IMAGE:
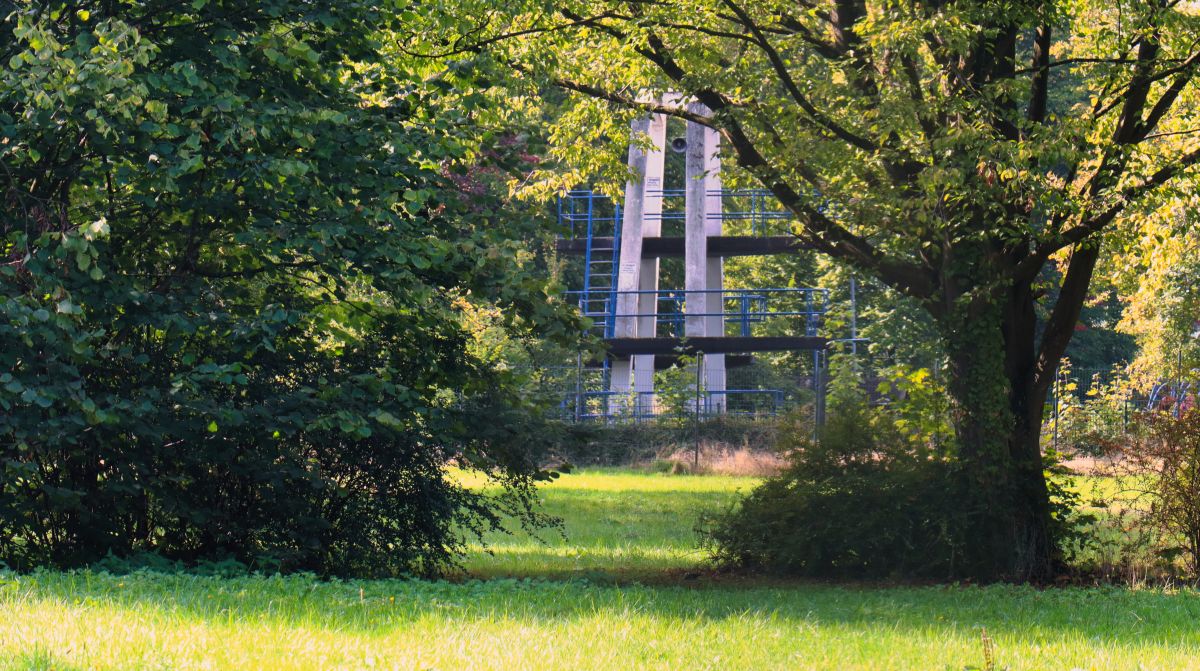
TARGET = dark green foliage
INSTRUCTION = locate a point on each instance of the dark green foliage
(231, 270)
(861, 502)
(867, 501)
(834, 515)
(1097, 346)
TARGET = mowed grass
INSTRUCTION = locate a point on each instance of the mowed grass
(618, 603)
(615, 525)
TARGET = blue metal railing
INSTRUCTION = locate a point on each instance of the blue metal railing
(597, 219)
(600, 215)
(582, 212)
(745, 402)
(757, 206)
(743, 309)
(596, 216)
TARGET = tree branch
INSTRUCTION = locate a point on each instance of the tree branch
(822, 232)
(1081, 232)
(792, 26)
(475, 47)
(628, 101)
(1167, 100)
(1039, 83)
(789, 83)
(1061, 325)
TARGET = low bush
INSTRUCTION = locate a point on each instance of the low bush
(858, 503)
(871, 499)
(862, 501)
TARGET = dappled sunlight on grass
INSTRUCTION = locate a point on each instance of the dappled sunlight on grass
(619, 529)
(614, 522)
(624, 480)
(616, 480)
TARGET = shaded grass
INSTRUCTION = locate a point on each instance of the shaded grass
(618, 524)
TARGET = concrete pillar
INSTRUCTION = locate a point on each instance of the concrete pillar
(629, 264)
(695, 231)
(652, 206)
(714, 364)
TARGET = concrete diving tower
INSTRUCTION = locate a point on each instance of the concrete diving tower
(622, 247)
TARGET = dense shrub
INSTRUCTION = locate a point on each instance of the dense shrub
(872, 498)
(233, 271)
(860, 502)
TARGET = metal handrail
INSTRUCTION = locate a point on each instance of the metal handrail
(759, 213)
(743, 307)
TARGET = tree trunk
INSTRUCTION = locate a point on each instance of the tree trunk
(992, 349)
(1036, 556)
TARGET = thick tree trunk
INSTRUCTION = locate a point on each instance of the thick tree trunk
(992, 351)
(1036, 553)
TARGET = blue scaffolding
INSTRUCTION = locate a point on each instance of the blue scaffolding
(595, 219)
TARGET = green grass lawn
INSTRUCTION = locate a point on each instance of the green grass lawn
(616, 524)
(620, 527)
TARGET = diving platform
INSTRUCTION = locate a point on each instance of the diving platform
(621, 244)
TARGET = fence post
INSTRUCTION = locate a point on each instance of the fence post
(696, 425)
(1057, 372)
(578, 386)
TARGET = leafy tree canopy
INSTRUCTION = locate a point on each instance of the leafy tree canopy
(239, 272)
